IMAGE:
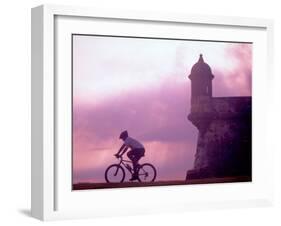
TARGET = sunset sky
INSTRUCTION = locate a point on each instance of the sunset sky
(142, 85)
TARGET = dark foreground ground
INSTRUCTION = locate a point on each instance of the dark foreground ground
(84, 186)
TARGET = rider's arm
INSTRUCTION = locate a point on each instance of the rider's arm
(124, 150)
(122, 147)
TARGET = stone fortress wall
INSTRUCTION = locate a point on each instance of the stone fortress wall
(224, 129)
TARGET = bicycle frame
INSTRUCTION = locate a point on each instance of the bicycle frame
(123, 161)
(143, 171)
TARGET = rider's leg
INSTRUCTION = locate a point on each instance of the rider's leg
(138, 154)
(135, 161)
(135, 155)
(130, 155)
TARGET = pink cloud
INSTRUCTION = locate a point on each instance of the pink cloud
(236, 81)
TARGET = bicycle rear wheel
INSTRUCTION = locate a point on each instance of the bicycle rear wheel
(114, 174)
(147, 173)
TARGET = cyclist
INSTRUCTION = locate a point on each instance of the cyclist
(135, 154)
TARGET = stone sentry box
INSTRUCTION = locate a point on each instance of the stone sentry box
(224, 124)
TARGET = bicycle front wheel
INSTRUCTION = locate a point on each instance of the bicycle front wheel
(114, 174)
(147, 173)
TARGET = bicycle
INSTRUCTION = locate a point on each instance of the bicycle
(115, 173)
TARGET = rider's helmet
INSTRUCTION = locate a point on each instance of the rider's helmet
(123, 135)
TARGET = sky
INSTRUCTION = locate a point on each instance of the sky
(142, 85)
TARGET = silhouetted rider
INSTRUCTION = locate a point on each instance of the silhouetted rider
(135, 154)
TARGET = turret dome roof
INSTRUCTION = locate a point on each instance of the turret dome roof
(201, 69)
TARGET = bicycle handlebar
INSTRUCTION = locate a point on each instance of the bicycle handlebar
(118, 156)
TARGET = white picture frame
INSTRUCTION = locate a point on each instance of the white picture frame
(52, 197)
